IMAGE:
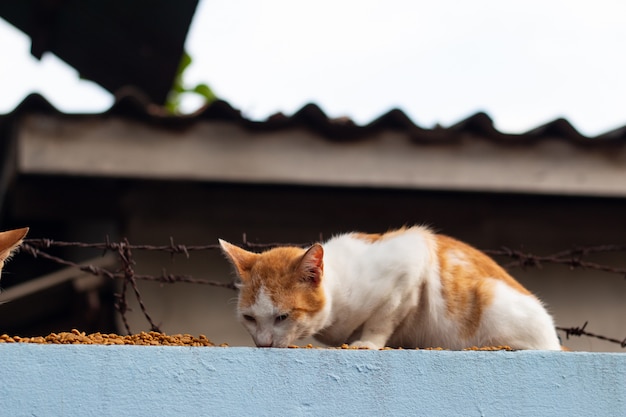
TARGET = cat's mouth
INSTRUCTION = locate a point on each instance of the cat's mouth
(272, 344)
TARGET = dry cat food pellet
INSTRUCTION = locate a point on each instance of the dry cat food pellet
(143, 338)
(509, 348)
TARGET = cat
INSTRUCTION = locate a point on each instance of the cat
(9, 241)
(408, 288)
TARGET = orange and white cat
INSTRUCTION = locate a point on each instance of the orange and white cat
(406, 288)
(9, 241)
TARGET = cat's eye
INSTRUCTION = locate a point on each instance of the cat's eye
(282, 317)
(249, 318)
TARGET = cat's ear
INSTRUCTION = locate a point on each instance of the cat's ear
(312, 265)
(242, 260)
(10, 240)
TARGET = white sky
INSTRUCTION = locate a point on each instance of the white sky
(523, 62)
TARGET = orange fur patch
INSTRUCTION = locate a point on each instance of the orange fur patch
(463, 271)
(368, 237)
(376, 237)
(9, 240)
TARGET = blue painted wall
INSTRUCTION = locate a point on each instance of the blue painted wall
(84, 380)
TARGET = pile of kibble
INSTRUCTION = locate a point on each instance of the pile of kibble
(76, 337)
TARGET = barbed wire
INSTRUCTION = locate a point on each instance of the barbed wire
(573, 258)
(580, 331)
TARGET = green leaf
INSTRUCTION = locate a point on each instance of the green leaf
(178, 88)
(205, 91)
(184, 63)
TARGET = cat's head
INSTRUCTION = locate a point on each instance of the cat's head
(281, 297)
(9, 241)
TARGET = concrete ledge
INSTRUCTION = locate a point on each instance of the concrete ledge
(64, 380)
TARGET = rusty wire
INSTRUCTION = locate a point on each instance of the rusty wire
(580, 331)
(572, 258)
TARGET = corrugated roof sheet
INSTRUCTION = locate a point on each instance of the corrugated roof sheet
(115, 43)
(131, 105)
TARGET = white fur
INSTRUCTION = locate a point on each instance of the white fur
(262, 329)
(388, 293)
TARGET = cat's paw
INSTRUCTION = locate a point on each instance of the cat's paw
(364, 344)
